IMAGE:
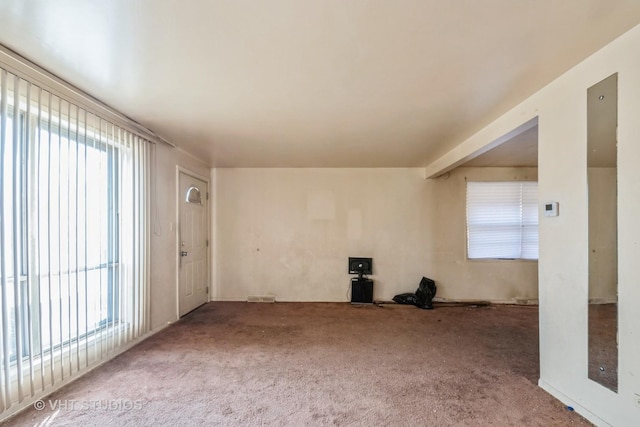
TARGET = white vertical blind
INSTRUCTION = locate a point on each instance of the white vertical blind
(73, 239)
(502, 220)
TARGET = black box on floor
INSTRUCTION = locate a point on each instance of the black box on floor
(361, 291)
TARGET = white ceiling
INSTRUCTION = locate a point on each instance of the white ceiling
(304, 83)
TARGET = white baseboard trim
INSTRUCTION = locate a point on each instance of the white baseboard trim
(570, 402)
(278, 299)
(513, 301)
(603, 300)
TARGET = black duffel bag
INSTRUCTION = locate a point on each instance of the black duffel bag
(423, 297)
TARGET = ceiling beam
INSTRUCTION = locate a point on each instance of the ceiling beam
(474, 147)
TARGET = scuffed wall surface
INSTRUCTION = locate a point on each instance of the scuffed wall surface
(289, 232)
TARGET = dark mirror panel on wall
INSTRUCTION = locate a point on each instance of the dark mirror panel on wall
(602, 172)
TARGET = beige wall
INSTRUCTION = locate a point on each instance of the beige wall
(289, 232)
(464, 279)
(603, 265)
(561, 109)
(163, 279)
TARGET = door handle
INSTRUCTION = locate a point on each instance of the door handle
(183, 253)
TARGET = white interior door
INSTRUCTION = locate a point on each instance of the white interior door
(193, 243)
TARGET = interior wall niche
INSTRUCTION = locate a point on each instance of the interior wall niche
(602, 121)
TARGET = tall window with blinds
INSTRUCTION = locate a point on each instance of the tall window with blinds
(502, 220)
(73, 233)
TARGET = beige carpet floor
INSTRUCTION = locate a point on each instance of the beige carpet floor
(317, 364)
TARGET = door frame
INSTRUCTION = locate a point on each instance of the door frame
(178, 198)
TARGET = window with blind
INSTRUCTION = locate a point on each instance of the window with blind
(73, 233)
(502, 220)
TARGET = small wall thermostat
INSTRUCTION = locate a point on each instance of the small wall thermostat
(551, 209)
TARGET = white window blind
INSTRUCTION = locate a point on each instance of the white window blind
(502, 220)
(73, 238)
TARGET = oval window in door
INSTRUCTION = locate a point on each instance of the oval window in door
(193, 195)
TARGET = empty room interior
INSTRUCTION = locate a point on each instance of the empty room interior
(320, 212)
